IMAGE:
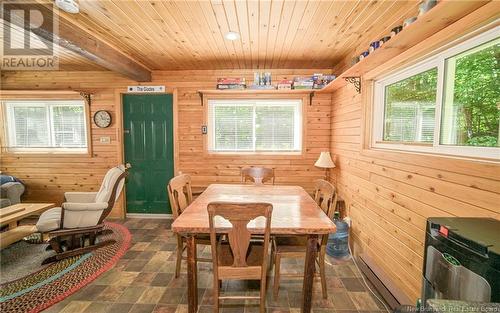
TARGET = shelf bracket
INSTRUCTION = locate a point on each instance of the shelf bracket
(356, 81)
(86, 96)
(201, 97)
(311, 95)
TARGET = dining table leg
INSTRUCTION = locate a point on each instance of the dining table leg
(192, 270)
(309, 269)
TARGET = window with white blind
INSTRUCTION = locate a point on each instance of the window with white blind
(46, 126)
(446, 104)
(255, 125)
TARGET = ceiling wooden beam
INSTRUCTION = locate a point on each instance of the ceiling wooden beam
(84, 43)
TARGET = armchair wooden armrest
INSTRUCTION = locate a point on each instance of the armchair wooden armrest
(74, 231)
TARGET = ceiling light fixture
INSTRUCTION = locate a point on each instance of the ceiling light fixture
(232, 36)
(70, 6)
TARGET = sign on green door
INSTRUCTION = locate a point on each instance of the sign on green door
(149, 148)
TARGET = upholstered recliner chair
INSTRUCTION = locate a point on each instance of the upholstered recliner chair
(11, 190)
(80, 218)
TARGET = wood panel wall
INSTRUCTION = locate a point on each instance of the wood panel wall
(48, 177)
(390, 195)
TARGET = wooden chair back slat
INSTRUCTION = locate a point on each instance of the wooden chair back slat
(180, 193)
(239, 240)
(239, 215)
(325, 196)
(257, 175)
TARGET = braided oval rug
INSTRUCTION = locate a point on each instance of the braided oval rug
(44, 286)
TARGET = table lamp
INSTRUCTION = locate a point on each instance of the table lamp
(325, 161)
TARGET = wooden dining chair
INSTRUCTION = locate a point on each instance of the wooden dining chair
(325, 196)
(238, 257)
(257, 175)
(180, 196)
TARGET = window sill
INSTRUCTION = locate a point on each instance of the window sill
(485, 154)
(402, 144)
(254, 154)
(35, 152)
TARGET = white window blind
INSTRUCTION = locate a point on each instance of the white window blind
(46, 125)
(255, 125)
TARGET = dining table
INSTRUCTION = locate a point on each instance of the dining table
(294, 213)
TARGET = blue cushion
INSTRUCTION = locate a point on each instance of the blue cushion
(9, 179)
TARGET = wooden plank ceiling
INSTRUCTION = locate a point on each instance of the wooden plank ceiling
(186, 34)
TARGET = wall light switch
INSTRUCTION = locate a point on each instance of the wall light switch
(204, 129)
(105, 140)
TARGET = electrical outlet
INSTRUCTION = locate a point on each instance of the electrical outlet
(204, 129)
(105, 140)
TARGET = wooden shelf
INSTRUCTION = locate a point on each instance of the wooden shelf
(254, 92)
(442, 15)
(257, 91)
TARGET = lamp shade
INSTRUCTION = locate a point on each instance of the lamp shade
(325, 160)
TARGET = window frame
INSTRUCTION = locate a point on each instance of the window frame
(49, 104)
(435, 61)
(208, 137)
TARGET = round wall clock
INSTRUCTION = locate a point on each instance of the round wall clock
(102, 118)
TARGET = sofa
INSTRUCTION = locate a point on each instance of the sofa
(11, 190)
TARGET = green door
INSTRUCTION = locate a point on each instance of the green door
(149, 148)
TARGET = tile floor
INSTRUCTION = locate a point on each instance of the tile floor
(143, 281)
